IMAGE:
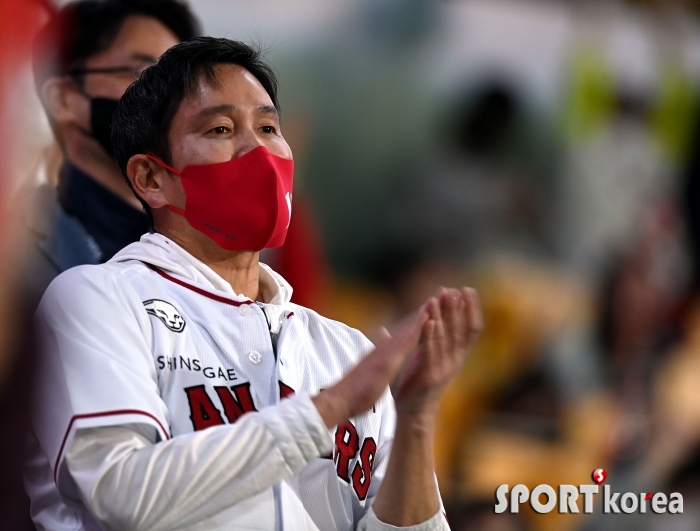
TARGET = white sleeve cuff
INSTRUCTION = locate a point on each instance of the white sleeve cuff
(299, 430)
(370, 522)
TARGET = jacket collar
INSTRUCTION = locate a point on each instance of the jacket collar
(160, 251)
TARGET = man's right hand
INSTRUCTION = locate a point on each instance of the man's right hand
(363, 386)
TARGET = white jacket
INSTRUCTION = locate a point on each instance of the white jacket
(160, 402)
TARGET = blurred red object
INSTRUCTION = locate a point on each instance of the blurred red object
(19, 21)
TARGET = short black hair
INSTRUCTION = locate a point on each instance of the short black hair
(85, 28)
(142, 120)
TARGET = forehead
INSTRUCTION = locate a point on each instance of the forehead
(234, 85)
(139, 38)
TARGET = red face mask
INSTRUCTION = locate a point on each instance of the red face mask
(243, 204)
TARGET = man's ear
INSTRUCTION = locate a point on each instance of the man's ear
(150, 181)
(61, 101)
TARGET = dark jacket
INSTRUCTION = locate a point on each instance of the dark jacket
(79, 222)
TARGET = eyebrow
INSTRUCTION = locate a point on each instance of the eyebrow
(216, 109)
(228, 108)
(268, 109)
(143, 57)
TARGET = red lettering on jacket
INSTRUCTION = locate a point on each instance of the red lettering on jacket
(238, 403)
(346, 447)
(285, 390)
(203, 412)
(362, 473)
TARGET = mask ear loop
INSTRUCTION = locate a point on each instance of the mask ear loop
(171, 170)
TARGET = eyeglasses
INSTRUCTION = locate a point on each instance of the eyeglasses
(118, 70)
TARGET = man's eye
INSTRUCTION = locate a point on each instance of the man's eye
(220, 130)
(268, 129)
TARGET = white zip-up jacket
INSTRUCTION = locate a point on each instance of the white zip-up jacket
(166, 401)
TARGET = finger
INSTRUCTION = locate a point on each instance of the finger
(461, 333)
(435, 312)
(432, 311)
(433, 305)
(428, 336)
(439, 339)
(453, 320)
(475, 318)
(427, 346)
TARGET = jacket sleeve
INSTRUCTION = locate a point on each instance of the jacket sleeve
(128, 482)
(370, 522)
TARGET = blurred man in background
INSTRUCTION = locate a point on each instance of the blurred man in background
(84, 59)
